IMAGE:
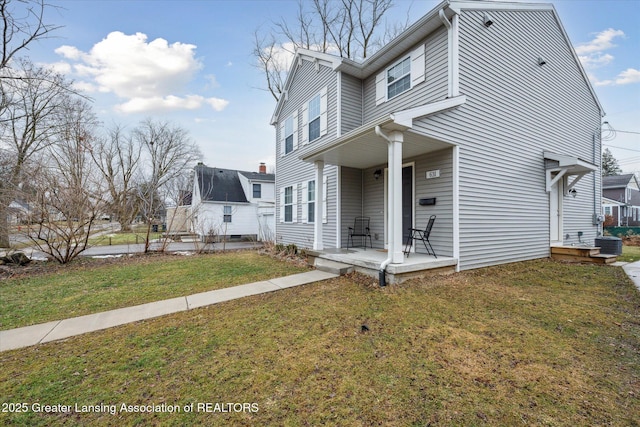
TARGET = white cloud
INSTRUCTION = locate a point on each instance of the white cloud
(169, 103)
(630, 75)
(149, 75)
(592, 55)
(603, 41)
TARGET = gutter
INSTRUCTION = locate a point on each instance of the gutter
(390, 200)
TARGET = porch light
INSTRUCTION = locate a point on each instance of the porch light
(377, 174)
(541, 61)
(573, 192)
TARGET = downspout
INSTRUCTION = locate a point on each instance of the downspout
(447, 24)
(390, 202)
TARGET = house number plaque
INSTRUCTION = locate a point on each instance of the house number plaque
(433, 174)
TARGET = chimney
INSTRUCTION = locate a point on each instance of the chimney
(262, 168)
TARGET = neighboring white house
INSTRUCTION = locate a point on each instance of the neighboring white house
(480, 113)
(233, 204)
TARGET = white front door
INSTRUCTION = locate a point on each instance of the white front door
(555, 212)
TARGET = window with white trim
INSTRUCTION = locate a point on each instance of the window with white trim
(227, 212)
(288, 135)
(314, 118)
(399, 78)
(288, 204)
(607, 210)
(257, 191)
(311, 201)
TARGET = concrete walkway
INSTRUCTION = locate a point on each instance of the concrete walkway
(60, 329)
(633, 271)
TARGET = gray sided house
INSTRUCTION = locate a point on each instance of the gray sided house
(479, 113)
(233, 204)
(621, 199)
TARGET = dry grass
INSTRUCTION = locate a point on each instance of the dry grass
(535, 343)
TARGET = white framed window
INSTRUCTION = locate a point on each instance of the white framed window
(401, 76)
(257, 191)
(288, 204)
(314, 117)
(227, 214)
(607, 210)
(289, 134)
(309, 201)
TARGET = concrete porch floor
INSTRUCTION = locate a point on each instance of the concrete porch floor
(368, 262)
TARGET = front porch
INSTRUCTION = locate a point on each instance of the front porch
(368, 262)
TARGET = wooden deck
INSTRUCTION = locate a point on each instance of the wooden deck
(581, 254)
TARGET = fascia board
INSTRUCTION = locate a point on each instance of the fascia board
(406, 117)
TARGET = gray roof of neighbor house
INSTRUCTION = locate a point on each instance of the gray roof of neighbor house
(616, 181)
(257, 176)
(223, 185)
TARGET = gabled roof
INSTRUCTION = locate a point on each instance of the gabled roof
(412, 35)
(617, 181)
(219, 185)
(223, 185)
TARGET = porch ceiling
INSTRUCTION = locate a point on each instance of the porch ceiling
(368, 150)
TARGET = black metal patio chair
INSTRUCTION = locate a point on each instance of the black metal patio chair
(360, 229)
(423, 235)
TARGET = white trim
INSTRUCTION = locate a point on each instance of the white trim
(339, 105)
(413, 202)
(456, 205)
(338, 207)
(325, 191)
(305, 202)
(455, 60)
(406, 117)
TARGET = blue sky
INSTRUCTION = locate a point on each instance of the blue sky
(190, 62)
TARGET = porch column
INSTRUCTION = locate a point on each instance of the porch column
(317, 224)
(395, 219)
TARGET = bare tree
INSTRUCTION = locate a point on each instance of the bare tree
(349, 28)
(64, 191)
(117, 157)
(29, 125)
(167, 152)
(22, 23)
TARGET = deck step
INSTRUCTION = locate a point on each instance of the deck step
(581, 254)
(332, 266)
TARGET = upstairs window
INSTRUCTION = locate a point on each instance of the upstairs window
(314, 118)
(257, 191)
(288, 135)
(399, 78)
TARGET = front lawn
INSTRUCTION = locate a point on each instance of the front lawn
(534, 343)
(630, 253)
(83, 288)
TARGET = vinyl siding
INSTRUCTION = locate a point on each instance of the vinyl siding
(434, 88)
(351, 199)
(515, 110)
(351, 108)
(442, 189)
(291, 171)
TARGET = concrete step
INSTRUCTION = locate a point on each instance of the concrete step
(332, 266)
